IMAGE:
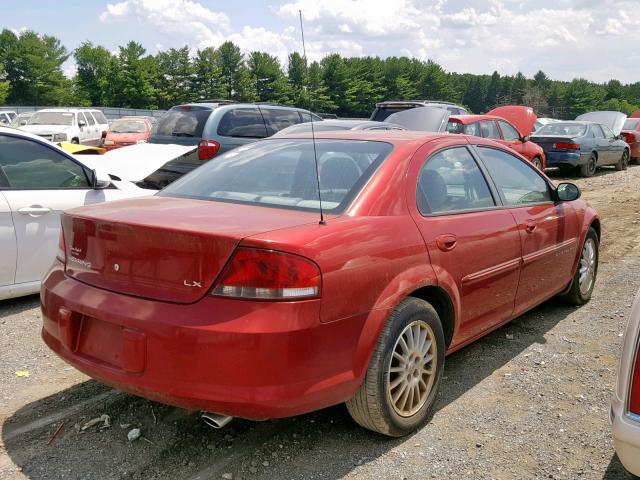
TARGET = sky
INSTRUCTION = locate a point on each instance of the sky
(593, 39)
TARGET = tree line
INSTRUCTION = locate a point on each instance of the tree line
(31, 74)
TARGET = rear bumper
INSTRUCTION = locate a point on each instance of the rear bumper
(574, 159)
(252, 360)
(626, 436)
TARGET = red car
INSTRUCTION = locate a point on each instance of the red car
(227, 293)
(510, 126)
(631, 134)
(127, 131)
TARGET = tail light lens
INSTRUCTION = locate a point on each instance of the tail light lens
(629, 137)
(104, 134)
(566, 146)
(634, 399)
(62, 253)
(207, 149)
(268, 275)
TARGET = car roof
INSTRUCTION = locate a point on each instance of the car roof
(237, 105)
(68, 110)
(465, 119)
(390, 136)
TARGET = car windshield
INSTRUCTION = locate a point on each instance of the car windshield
(631, 124)
(560, 128)
(128, 126)
(51, 118)
(282, 173)
(183, 121)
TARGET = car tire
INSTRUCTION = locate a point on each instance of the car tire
(589, 168)
(537, 162)
(623, 163)
(580, 292)
(413, 366)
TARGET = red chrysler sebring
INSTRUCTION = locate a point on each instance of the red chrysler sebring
(225, 293)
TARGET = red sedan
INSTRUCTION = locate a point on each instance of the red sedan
(226, 293)
(127, 131)
(496, 125)
(631, 134)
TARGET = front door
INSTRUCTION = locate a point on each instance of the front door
(7, 241)
(549, 232)
(473, 244)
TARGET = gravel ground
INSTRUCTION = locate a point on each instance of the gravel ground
(530, 400)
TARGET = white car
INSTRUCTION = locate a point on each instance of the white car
(625, 406)
(37, 181)
(7, 116)
(85, 126)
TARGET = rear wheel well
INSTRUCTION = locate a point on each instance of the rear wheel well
(595, 154)
(440, 301)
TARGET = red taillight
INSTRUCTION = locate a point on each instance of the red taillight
(104, 134)
(629, 137)
(62, 253)
(207, 149)
(566, 146)
(634, 398)
(268, 275)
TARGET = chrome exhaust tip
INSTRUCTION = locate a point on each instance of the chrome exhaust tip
(215, 420)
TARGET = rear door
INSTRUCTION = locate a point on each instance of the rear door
(277, 119)
(616, 147)
(473, 243)
(239, 126)
(548, 232)
(511, 137)
(92, 129)
(84, 133)
(601, 145)
(41, 182)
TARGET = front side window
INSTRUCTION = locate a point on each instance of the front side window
(597, 131)
(282, 173)
(90, 119)
(608, 134)
(508, 132)
(81, 118)
(451, 181)
(278, 119)
(100, 118)
(518, 183)
(242, 122)
(29, 165)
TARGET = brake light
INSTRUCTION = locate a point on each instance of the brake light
(629, 137)
(634, 398)
(104, 134)
(61, 255)
(207, 149)
(268, 275)
(566, 146)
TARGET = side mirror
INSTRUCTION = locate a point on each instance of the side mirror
(100, 180)
(23, 123)
(82, 123)
(526, 138)
(567, 192)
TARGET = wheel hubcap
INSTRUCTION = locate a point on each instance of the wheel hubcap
(587, 266)
(411, 372)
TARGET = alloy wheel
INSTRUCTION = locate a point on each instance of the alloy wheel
(412, 369)
(587, 266)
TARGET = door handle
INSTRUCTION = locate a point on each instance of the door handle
(34, 210)
(446, 242)
(530, 227)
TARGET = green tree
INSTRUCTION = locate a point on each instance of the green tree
(434, 83)
(476, 94)
(270, 84)
(4, 86)
(493, 90)
(206, 75)
(334, 78)
(234, 75)
(319, 100)
(175, 76)
(92, 76)
(582, 96)
(134, 76)
(541, 81)
(298, 79)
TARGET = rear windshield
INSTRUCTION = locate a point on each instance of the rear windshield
(631, 124)
(282, 173)
(381, 113)
(560, 128)
(455, 126)
(183, 121)
(51, 118)
(128, 126)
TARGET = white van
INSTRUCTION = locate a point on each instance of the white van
(85, 126)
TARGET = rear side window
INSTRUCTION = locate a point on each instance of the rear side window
(81, 118)
(451, 181)
(100, 118)
(90, 119)
(183, 121)
(282, 173)
(508, 132)
(242, 122)
(277, 119)
(488, 129)
(518, 183)
(597, 131)
(455, 126)
(28, 165)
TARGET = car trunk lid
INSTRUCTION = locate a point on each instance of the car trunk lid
(613, 120)
(549, 142)
(162, 248)
(522, 117)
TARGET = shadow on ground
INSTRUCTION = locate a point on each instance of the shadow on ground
(615, 471)
(175, 443)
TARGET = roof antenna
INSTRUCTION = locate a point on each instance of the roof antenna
(313, 133)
